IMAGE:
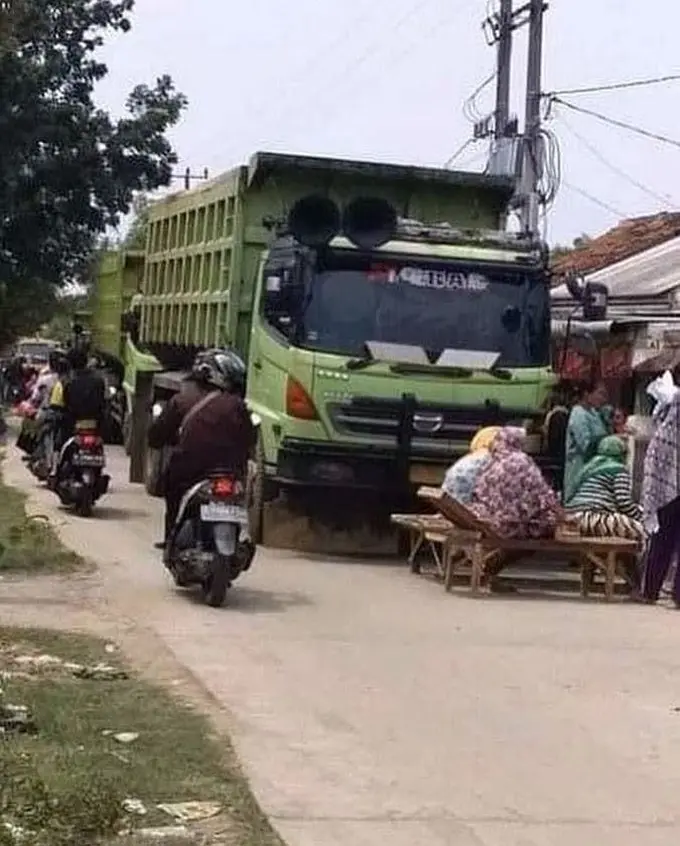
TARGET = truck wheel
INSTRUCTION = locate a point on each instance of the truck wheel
(153, 471)
(256, 517)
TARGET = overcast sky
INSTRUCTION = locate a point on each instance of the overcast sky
(387, 79)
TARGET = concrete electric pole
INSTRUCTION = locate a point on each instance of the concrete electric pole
(505, 25)
(533, 153)
(522, 156)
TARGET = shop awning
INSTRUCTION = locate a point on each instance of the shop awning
(667, 359)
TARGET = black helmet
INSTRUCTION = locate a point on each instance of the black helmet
(222, 369)
(56, 357)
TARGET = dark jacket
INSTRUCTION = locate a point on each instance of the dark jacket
(85, 397)
(219, 437)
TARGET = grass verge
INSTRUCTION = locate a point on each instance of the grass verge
(68, 782)
(29, 544)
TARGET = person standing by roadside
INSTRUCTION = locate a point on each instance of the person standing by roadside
(585, 430)
(661, 502)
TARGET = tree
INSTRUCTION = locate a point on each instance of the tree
(68, 170)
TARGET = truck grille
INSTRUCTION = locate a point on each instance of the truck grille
(437, 429)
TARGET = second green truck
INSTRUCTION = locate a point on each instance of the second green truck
(383, 314)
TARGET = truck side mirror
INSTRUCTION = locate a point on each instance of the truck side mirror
(282, 298)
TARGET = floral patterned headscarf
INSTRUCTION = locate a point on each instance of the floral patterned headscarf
(511, 493)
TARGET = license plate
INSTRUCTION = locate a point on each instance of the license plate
(426, 474)
(220, 512)
(89, 461)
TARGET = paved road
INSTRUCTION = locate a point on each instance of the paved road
(369, 707)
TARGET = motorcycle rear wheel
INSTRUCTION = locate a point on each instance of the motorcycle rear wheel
(216, 586)
(85, 504)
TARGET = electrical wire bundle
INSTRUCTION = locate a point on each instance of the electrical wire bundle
(550, 168)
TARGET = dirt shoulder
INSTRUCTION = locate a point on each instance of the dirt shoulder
(64, 776)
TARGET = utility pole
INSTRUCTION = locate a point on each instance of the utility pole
(505, 25)
(532, 158)
(188, 177)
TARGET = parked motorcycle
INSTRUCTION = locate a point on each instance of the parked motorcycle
(80, 480)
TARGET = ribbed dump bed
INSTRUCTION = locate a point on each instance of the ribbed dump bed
(204, 246)
(120, 276)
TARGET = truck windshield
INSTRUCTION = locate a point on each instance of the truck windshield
(436, 305)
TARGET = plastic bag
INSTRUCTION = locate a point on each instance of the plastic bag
(663, 389)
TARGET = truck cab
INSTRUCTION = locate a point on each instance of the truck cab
(372, 365)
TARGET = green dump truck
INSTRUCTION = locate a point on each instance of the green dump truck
(383, 315)
(120, 276)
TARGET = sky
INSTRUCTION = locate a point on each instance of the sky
(387, 80)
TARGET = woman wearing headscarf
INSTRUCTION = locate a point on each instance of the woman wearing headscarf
(602, 501)
(661, 501)
(585, 430)
(461, 478)
(511, 494)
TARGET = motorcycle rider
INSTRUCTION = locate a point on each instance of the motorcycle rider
(82, 396)
(209, 426)
(47, 379)
(51, 409)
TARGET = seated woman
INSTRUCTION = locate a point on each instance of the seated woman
(511, 494)
(461, 477)
(602, 501)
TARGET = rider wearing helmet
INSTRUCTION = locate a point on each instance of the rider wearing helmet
(208, 424)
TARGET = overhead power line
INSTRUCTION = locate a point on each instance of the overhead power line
(616, 212)
(662, 198)
(470, 109)
(459, 152)
(617, 86)
(638, 130)
(320, 94)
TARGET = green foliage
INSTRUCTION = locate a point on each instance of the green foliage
(68, 170)
(28, 543)
(86, 813)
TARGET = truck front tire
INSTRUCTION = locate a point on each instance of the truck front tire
(153, 472)
(256, 498)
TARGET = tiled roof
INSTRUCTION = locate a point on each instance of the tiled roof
(627, 239)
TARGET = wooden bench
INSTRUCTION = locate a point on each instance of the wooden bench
(424, 531)
(471, 538)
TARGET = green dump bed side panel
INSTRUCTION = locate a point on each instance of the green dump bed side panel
(204, 246)
(119, 277)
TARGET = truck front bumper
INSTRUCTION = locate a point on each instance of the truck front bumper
(312, 464)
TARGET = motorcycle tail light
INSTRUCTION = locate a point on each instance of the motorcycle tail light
(88, 441)
(223, 487)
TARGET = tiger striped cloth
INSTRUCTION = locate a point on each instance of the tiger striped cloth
(608, 524)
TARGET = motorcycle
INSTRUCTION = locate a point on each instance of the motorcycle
(210, 544)
(79, 480)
